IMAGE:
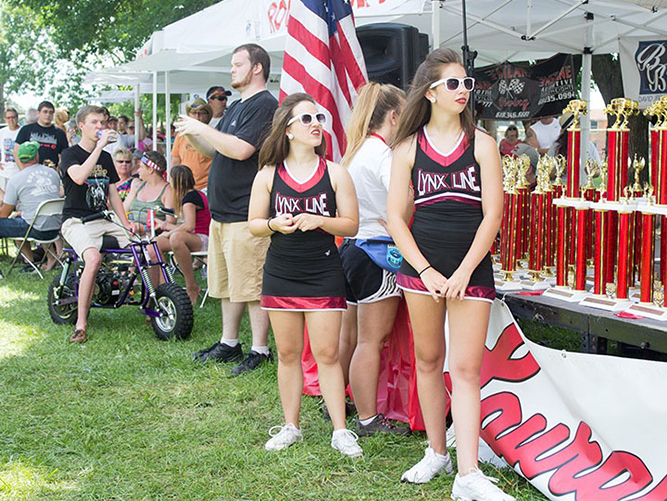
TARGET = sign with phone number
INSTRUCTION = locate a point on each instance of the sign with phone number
(522, 91)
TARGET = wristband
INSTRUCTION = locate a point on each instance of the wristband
(268, 224)
(420, 273)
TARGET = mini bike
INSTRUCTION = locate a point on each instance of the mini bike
(117, 284)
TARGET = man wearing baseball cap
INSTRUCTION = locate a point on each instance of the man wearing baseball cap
(217, 100)
(31, 186)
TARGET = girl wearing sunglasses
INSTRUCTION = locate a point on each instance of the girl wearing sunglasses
(455, 171)
(302, 202)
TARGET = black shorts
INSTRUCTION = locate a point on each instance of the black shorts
(365, 281)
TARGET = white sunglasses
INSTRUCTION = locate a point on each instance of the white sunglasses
(454, 84)
(307, 118)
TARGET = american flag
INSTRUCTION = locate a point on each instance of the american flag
(323, 58)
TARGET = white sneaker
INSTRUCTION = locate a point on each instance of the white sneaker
(475, 486)
(345, 441)
(430, 466)
(283, 437)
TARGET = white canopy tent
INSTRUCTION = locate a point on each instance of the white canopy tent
(196, 50)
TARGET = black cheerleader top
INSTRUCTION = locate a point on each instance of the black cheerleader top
(448, 191)
(314, 196)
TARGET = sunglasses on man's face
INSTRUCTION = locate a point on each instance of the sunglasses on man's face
(307, 118)
(219, 98)
(453, 83)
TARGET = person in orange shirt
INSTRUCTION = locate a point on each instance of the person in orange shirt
(184, 153)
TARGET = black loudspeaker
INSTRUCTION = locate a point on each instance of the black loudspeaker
(392, 52)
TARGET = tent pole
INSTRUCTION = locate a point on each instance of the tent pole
(586, 93)
(435, 24)
(167, 110)
(137, 106)
(468, 55)
(155, 110)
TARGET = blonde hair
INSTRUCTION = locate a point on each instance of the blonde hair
(417, 110)
(374, 102)
(122, 152)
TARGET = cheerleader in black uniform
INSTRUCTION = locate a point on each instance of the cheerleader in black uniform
(303, 201)
(455, 172)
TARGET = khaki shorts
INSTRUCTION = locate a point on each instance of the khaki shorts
(84, 236)
(235, 261)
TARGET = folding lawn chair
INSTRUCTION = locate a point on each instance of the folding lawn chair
(51, 207)
(174, 267)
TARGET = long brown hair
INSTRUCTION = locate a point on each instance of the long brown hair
(182, 181)
(276, 146)
(417, 110)
(374, 102)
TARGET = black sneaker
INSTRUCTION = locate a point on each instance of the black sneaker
(252, 361)
(380, 425)
(220, 353)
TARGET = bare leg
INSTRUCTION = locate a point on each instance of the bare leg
(324, 330)
(288, 331)
(183, 243)
(232, 313)
(26, 250)
(154, 271)
(428, 326)
(259, 324)
(348, 340)
(92, 260)
(468, 323)
(376, 321)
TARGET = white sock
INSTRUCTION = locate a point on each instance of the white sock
(366, 422)
(229, 342)
(262, 350)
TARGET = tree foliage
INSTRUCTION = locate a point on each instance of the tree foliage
(115, 28)
(27, 57)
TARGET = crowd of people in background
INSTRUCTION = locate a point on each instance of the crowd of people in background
(249, 184)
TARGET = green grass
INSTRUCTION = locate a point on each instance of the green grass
(127, 417)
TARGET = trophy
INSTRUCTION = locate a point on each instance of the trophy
(612, 207)
(651, 295)
(540, 211)
(571, 237)
(510, 228)
(522, 187)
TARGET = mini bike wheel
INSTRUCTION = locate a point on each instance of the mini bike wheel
(176, 316)
(62, 314)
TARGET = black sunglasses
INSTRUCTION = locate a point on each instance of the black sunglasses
(219, 98)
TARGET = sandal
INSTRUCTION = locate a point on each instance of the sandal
(78, 336)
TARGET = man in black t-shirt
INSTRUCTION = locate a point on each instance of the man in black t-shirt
(89, 179)
(235, 257)
(52, 141)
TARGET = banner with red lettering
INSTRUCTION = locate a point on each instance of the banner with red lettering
(520, 91)
(578, 426)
